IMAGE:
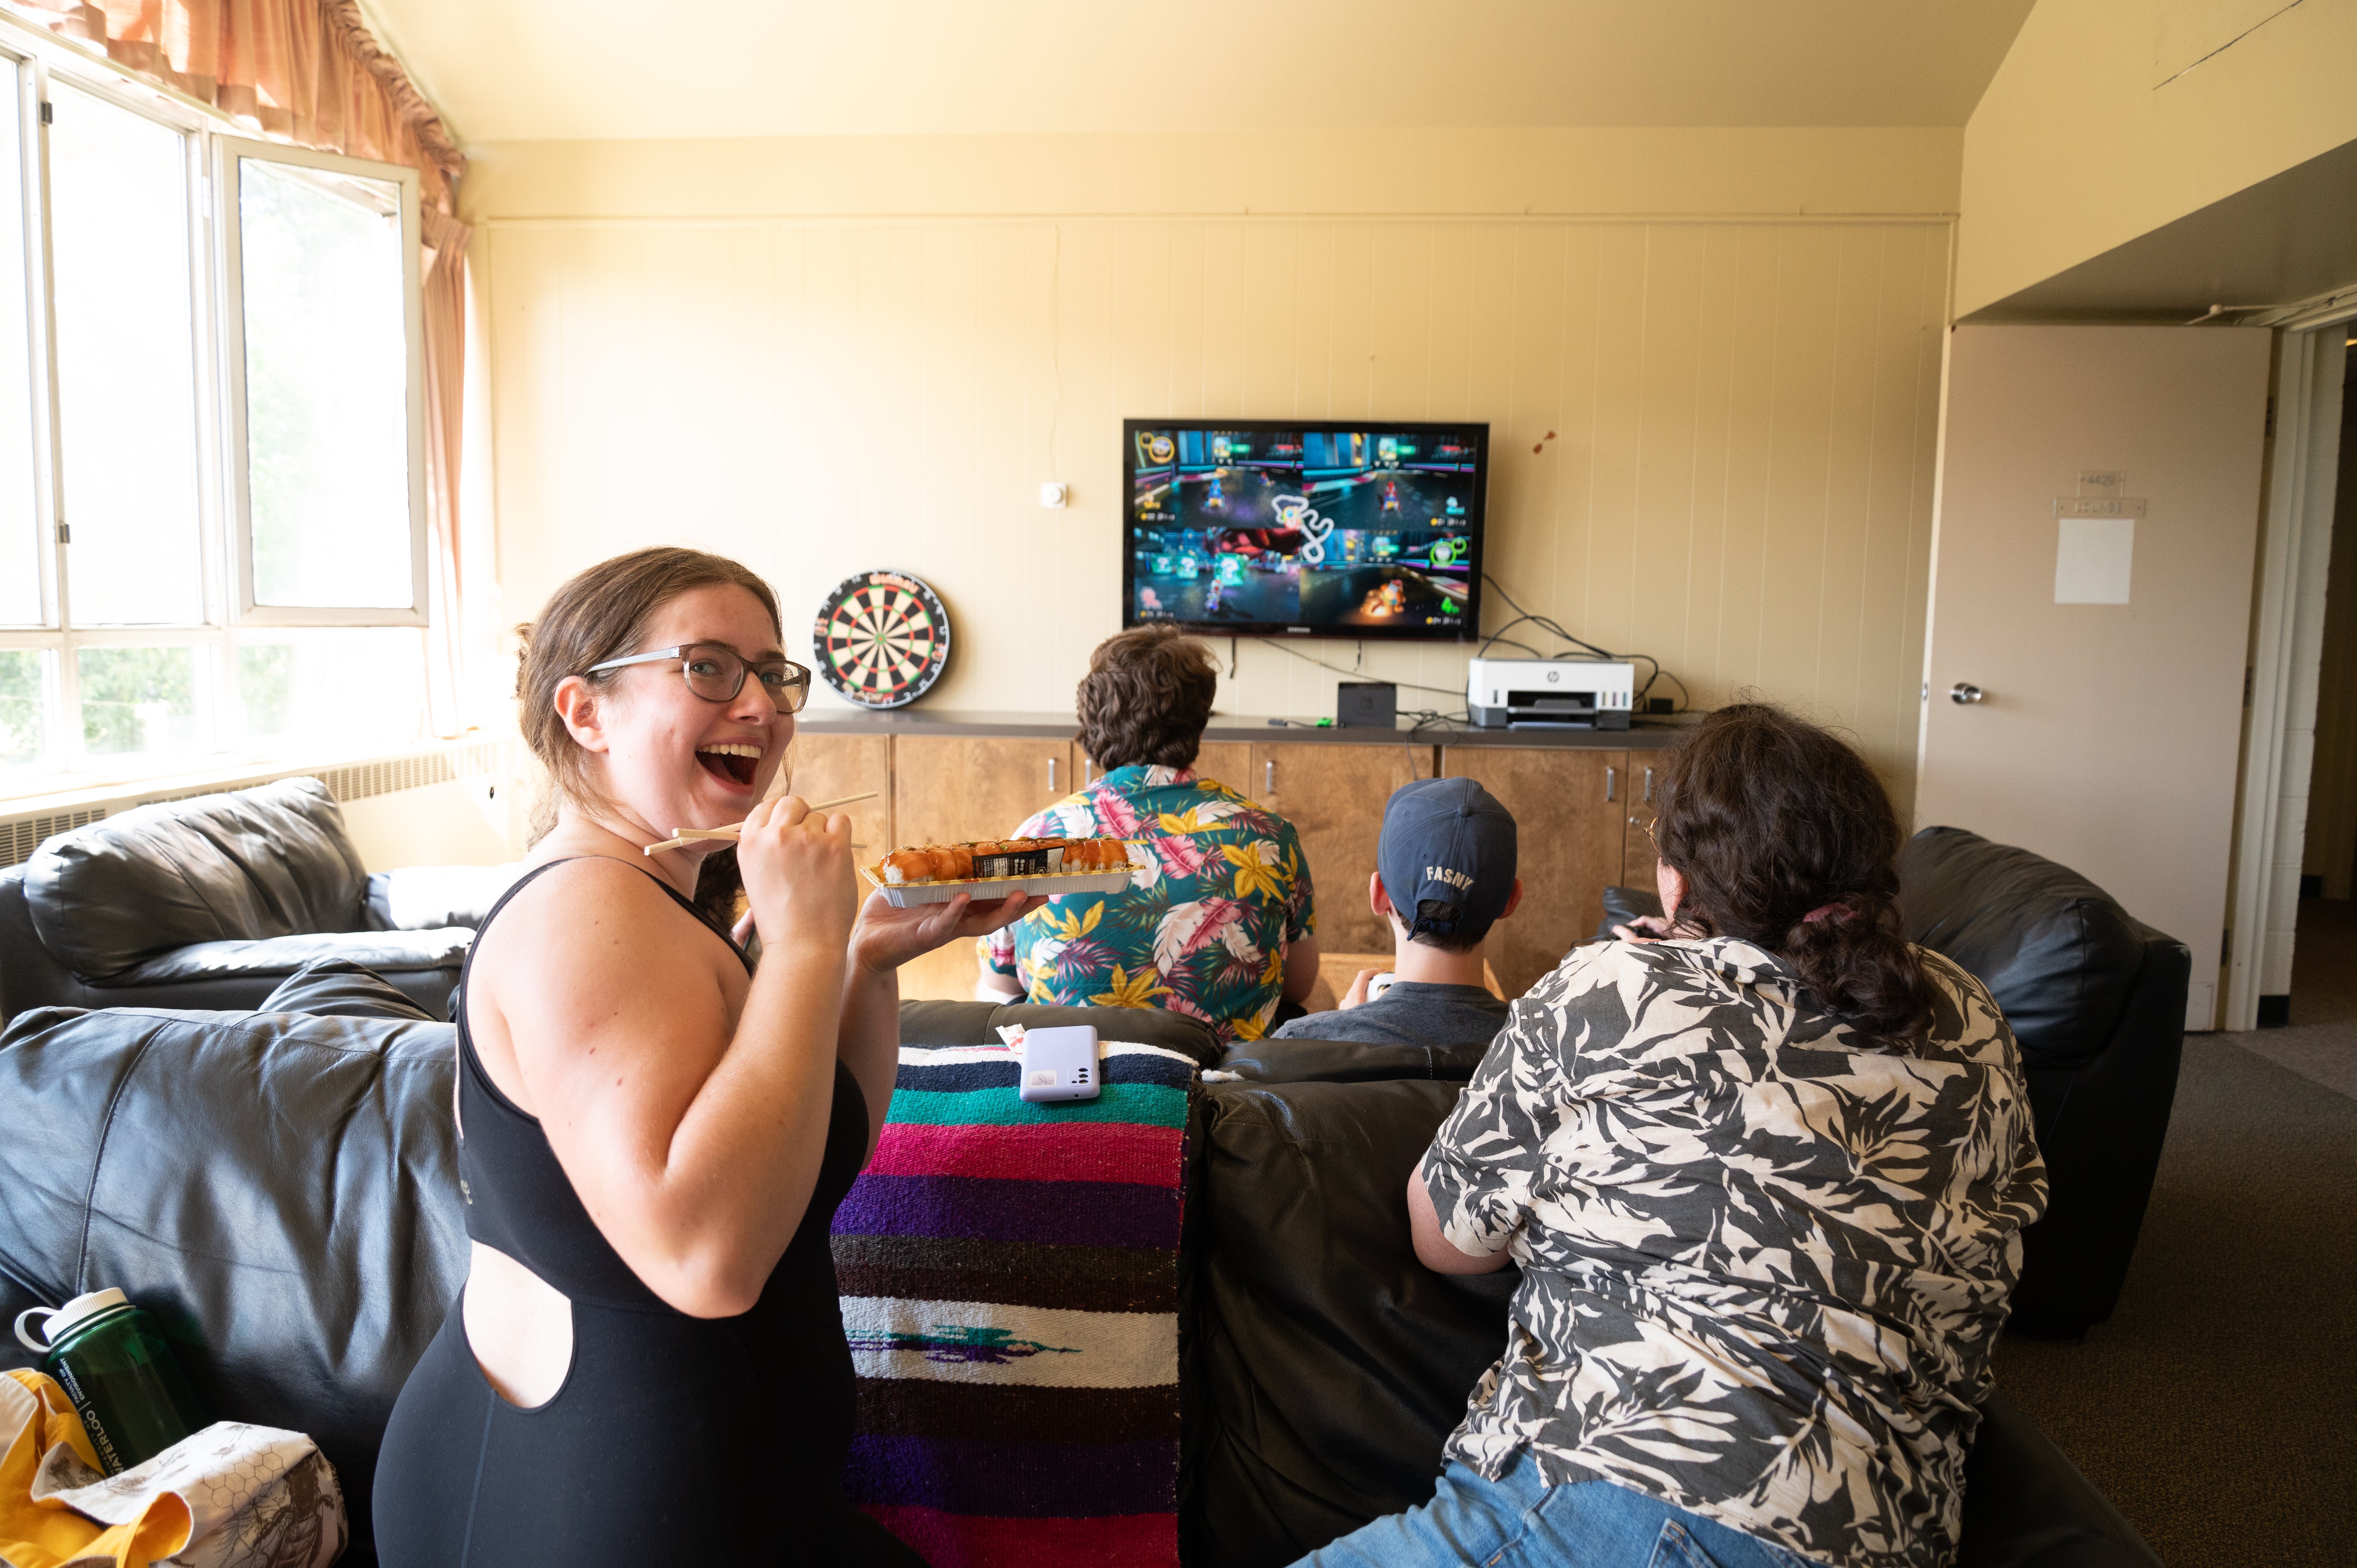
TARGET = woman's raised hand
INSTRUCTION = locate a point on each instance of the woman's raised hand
(888, 937)
(797, 870)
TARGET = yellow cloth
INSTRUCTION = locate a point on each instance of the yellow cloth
(49, 1534)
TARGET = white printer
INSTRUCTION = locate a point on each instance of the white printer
(1550, 693)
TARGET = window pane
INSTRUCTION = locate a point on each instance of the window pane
(337, 690)
(24, 709)
(126, 363)
(327, 382)
(20, 561)
(138, 699)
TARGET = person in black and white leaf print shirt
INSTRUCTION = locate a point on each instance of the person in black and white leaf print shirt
(1765, 1168)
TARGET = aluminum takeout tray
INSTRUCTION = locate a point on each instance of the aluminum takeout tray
(990, 889)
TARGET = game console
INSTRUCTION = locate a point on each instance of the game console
(1550, 693)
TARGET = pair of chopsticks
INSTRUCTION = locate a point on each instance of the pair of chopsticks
(691, 835)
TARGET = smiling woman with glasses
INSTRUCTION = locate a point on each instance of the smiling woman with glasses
(648, 1362)
(716, 672)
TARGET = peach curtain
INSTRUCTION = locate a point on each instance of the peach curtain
(306, 71)
(445, 312)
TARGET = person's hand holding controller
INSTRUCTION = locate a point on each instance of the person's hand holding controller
(1645, 928)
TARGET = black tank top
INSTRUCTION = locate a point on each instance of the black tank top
(519, 1200)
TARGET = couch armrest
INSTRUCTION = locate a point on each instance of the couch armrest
(29, 977)
(2027, 1506)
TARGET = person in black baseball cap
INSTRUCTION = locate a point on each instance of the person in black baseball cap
(1443, 876)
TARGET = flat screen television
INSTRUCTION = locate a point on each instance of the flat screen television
(1293, 528)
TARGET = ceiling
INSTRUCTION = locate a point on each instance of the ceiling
(565, 70)
(2279, 243)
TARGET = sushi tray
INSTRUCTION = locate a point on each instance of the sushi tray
(991, 870)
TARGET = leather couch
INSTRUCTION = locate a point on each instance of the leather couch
(279, 1188)
(2096, 999)
(211, 902)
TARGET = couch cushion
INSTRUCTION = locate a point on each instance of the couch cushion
(425, 898)
(1348, 1061)
(279, 1191)
(2057, 953)
(338, 988)
(267, 861)
(385, 951)
(1326, 1364)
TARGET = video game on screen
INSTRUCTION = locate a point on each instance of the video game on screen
(1316, 528)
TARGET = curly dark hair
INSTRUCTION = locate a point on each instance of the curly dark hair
(1147, 697)
(1770, 819)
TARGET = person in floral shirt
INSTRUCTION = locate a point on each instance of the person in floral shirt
(1216, 923)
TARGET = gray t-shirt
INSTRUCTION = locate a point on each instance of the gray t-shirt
(1410, 1012)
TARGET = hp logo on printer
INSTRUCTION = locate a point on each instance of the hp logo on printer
(1552, 676)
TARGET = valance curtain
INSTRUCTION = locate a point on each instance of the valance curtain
(309, 72)
(306, 71)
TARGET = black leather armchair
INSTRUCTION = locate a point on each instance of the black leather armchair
(212, 903)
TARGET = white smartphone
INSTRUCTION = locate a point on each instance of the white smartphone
(1060, 1064)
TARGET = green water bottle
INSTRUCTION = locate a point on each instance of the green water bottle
(119, 1372)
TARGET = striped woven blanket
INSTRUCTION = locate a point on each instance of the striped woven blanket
(1009, 1275)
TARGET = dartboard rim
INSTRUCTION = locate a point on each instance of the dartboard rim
(926, 677)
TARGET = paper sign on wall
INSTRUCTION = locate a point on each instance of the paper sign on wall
(2093, 560)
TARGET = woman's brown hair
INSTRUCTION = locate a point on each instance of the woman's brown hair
(600, 614)
(1147, 697)
(1771, 819)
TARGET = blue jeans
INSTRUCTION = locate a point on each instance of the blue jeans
(1520, 1521)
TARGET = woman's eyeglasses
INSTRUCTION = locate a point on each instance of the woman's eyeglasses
(716, 672)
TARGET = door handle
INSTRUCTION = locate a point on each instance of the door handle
(1051, 776)
(1268, 777)
(1611, 785)
(1649, 786)
(1965, 692)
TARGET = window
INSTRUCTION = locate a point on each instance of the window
(211, 436)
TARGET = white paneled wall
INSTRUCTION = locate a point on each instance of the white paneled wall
(1714, 439)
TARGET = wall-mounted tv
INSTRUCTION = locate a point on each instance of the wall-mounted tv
(1362, 528)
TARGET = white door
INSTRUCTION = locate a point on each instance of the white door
(2092, 567)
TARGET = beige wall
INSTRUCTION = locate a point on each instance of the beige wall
(2078, 145)
(1620, 171)
(1742, 411)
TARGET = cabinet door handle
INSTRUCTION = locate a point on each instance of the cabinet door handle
(1611, 785)
(1268, 777)
(1051, 776)
(1649, 786)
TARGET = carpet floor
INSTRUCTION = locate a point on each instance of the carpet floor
(2218, 1408)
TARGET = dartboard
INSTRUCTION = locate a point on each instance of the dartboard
(882, 639)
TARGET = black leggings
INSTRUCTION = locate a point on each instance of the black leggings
(625, 1466)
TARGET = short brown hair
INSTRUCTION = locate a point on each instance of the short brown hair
(598, 614)
(1771, 820)
(1147, 697)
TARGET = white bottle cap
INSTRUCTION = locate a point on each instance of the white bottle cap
(60, 1321)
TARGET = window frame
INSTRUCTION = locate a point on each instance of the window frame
(229, 154)
(228, 617)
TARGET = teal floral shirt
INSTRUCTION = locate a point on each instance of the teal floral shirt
(1200, 929)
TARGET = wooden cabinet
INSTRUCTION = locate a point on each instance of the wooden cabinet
(1333, 794)
(1571, 817)
(949, 789)
(1230, 763)
(1637, 852)
(829, 767)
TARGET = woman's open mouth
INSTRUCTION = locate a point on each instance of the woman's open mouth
(733, 760)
